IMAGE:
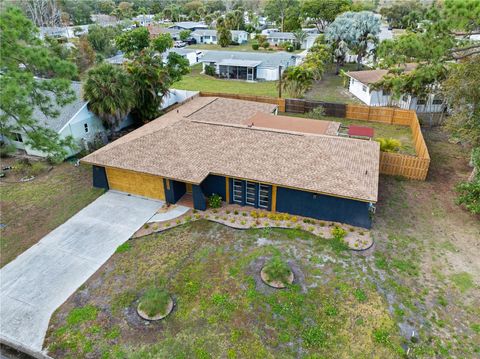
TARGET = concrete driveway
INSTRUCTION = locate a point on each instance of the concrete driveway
(39, 280)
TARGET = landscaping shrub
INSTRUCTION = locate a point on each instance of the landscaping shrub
(7, 150)
(215, 201)
(265, 45)
(277, 270)
(210, 70)
(338, 232)
(154, 301)
(255, 46)
(389, 144)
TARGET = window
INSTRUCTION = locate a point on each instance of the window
(237, 191)
(17, 137)
(421, 101)
(405, 98)
(263, 196)
(437, 100)
(86, 127)
(364, 88)
(386, 92)
(250, 196)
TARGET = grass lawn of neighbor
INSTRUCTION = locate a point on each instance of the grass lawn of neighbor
(417, 289)
(330, 88)
(32, 209)
(242, 47)
(195, 81)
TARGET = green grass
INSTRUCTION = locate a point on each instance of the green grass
(81, 315)
(331, 89)
(32, 209)
(154, 301)
(242, 47)
(222, 311)
(195, 81)
(464, 281)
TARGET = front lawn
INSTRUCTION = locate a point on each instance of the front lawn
(223, 307)
(418, 288)
(195, 81)
(30, 210)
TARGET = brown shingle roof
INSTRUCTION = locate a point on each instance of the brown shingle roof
(372, 76)
(175, 147)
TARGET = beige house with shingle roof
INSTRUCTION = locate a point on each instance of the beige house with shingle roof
(248, 155)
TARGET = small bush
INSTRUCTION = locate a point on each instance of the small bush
(389, 144)
(243, 223)
(255, 46)
(276, 269)
(244, 214)
(27, 168)
(235, 212)
(215, 201)
(227, 211)
(155, 227)
(338, 232)
(146, 226)
(254, 214)
(178, 221)
(294, 219)
(154, 301)
(210, 70)
(317, 113)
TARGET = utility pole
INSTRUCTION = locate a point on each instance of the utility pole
(280, 81)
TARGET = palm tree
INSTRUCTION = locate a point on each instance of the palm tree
(300, 37)
(296, 81)
(109, 92)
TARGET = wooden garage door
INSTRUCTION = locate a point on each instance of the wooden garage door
(141, 184)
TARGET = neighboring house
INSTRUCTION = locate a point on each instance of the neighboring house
(250, 66)
(104, 20)
(210, 36)
(192, 55)
(276, 38)
(144, 20)
(189, 25)
(243, 152)
(157, 30)
(67, 32)
(74, 120)
(361, 86)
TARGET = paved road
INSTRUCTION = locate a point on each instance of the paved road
(39, 280)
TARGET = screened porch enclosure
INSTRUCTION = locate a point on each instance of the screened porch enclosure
(238, 69)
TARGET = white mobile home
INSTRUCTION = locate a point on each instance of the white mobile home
(276, 38)
(250, 66)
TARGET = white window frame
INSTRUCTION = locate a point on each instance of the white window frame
(234, 197)
(252, 184)
(364, 88)
(267, 189)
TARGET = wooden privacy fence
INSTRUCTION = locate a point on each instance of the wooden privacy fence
(396, 164)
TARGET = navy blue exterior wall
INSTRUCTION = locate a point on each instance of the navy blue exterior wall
(99, 177)
(199, 200)
(257, 185)
(176, 191)
(214, 184)
(324, 207)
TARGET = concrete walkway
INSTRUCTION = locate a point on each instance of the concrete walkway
(175, 212)
(39, 280)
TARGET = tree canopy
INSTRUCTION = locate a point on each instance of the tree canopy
(24, 60)
(324, 12)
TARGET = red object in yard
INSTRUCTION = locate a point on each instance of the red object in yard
(360, 131)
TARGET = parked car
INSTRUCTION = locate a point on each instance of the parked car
(179, 44)
(191, 41)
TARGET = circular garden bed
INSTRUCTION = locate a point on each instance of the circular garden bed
(277, 274)
(155, 304)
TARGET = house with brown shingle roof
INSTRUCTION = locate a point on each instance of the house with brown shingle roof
(361, 86)
(248, 155)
